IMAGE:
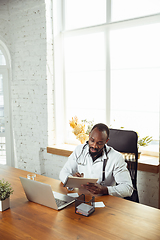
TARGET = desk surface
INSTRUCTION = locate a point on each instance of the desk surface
(120, 219)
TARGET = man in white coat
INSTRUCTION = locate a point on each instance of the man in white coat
(95, 159)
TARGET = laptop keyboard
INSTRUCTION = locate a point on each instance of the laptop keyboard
(59, 202)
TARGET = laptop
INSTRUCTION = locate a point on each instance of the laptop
(42, 193)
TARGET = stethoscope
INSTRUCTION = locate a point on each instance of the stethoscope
(85, 162)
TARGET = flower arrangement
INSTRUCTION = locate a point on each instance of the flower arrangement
(5, 190)
(144, 141)
(79, 128)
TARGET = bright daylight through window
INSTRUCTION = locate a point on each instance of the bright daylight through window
(2, 119)
(112, 64)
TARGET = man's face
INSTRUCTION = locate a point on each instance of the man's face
(97, 140)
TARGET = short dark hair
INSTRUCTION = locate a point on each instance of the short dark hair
(102, 128)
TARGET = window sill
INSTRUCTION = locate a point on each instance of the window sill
(150, 151)
(146, 163)
(61, 149)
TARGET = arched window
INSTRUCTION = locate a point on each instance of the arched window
(2, 59)
(5, 122)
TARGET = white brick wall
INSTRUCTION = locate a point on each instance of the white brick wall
(23, 30)
(148, 185)
(51, 164)
(29, 85)
(23, 27)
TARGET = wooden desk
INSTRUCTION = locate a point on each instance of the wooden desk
(120, 219)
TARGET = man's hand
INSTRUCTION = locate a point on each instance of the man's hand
(96, 188)
(77, 174)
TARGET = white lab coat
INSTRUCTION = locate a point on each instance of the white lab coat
(115, 172)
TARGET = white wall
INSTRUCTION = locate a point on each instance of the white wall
(23, 30)
(148, 188)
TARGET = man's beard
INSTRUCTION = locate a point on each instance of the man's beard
(97, 153)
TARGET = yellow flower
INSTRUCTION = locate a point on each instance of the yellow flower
(73, 123)
(79, 128)
(82, 137)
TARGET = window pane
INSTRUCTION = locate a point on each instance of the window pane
(2, 59)
(2, 125)
(2, 122)
(84, 79)
(84, 13)
(127, 9)
(135, 79)
(2, 150)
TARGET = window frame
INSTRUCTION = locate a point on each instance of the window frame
(5, 70)
(107, 27)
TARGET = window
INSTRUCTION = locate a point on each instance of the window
(135, 79)
(2, 122)
(2, 59)
(6, 154)
(84, 13)
(127, 9)
(111, 66)
(85, 97)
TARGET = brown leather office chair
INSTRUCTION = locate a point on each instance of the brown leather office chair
(125, 141)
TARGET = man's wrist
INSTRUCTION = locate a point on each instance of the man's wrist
(105, 190)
